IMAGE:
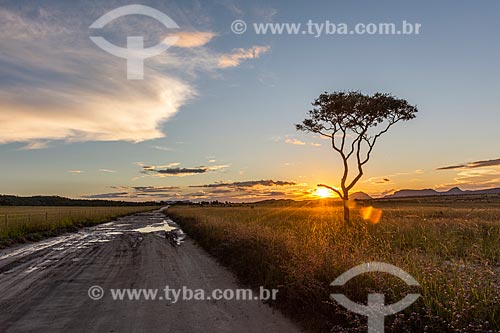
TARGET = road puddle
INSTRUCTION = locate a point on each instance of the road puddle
(162, 226)
(51, 251)
(172, 231)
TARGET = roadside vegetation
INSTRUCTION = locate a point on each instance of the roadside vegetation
(451, 247)
(24, 223)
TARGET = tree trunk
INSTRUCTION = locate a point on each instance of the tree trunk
(347, 218)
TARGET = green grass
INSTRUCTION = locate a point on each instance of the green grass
(453, 251)
(20, 223)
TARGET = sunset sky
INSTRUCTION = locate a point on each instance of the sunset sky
(214, 116)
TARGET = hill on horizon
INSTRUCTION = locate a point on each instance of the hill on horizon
(430, 192)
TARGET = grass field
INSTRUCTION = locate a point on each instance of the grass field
(22, 223)
(451, 246)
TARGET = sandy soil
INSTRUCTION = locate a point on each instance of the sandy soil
(44, 286)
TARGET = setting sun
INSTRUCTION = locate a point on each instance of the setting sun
(323, 192)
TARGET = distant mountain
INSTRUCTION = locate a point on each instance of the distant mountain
(429, 192)
(412, 193)
(359, 196)
(454, 191)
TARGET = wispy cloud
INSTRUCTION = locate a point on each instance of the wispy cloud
(234, 58)
(162, 148)
(297, 142)
(107, 170)
(475, 178)
(377, 180)
(136, 192)
(113, 195)
(188, 39)
(472, 165)
(249, 183)
(294, 142)
(155, 189)
(156, 167)
(33, 145)
(239, 191)
(76, 171)
(171, 170)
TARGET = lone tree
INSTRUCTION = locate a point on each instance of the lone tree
(354, 122)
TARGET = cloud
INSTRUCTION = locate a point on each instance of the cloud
(234, 58)
(183, 171)
(155, 189)
(475, 178)
(155, 167)
(33, 145)
(472, 165)
(114, 195)
(162, 148)
(107, 170)
(294, 142)
(188, 39)
(171, 170)
(76, 171)
(55, 84)
(224, 191)
(386, 192)
(297, 142)
(58, 86)
(135, 192)
(249, 183)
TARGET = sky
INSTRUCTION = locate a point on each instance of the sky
(214, 116)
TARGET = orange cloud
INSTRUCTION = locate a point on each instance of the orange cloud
(188, 39)
(295, 142)
(238, 55)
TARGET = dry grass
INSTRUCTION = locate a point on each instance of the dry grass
(21, 223)
(454, 252)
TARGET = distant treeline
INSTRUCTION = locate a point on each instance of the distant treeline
(12, 200)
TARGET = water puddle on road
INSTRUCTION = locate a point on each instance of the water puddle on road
(162, 226)
(172, 231)
(49, 252)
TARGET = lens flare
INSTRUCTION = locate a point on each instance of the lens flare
(371, 214)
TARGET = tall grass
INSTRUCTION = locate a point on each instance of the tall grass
(453, 252)
(18, 224)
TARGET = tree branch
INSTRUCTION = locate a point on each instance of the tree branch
(332, 189)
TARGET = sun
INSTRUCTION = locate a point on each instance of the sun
(323, 192)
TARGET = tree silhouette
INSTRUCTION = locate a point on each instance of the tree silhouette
(354, 122)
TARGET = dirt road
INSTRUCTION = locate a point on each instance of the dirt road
(44, 286)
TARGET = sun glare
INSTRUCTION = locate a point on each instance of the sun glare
(323, 192)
